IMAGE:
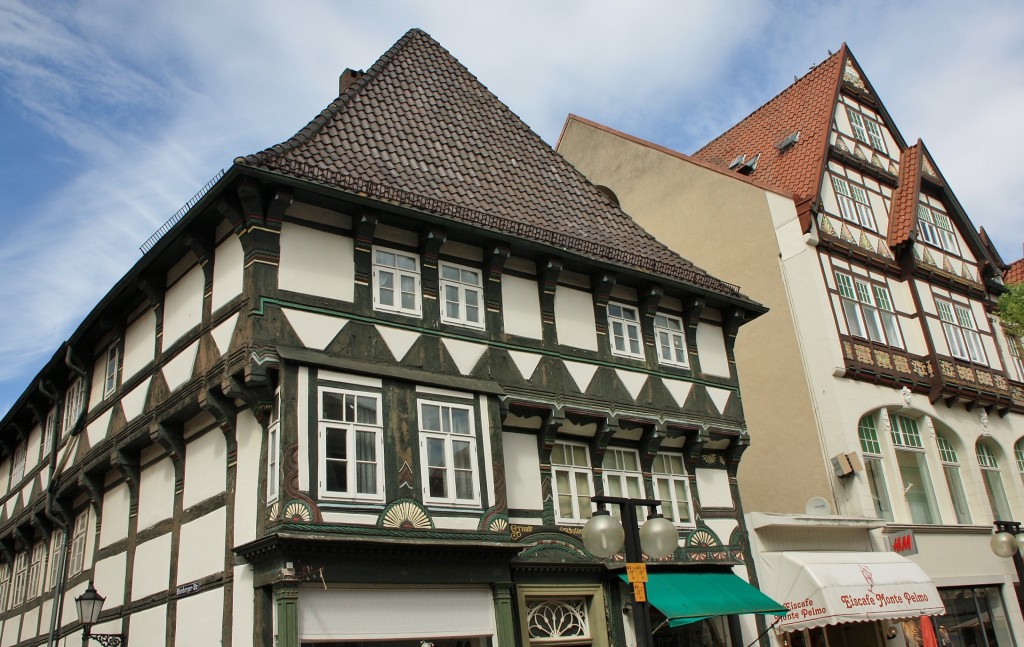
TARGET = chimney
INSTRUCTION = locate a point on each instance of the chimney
(348, 77)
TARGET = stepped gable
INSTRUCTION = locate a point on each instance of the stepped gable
(805, 106)
(903, 214)
(418, 129)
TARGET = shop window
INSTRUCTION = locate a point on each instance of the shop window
(672, 487)
(951, 470)
(462, 295)
(670, 339)
(913, 466)
(448, 453)
(351, 445)
(993, 481)
(624, 331)
(975, 617)
(274, 448)
(872, 454)
(570, 469)
(396, 281)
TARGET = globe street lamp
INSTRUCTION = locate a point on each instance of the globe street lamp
(604, 536)
(1009, 542)
(90, 604)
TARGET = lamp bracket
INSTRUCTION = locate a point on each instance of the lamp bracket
(109, 640)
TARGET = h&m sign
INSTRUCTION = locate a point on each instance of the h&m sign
(903, 543)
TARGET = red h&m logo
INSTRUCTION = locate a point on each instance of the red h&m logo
(903, 543)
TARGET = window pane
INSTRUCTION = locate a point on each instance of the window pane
(336, 444)
(917, 487)
(956, 493)
(385, 258)
(996, 494)
(879, 493)
(366, 410)
(462, 454)
(460, 421)
(450, 272)
(366, 478)
(408, 292)
(331, 407)
(451, 302)
(431, 417)
(406, 262)
(463, 485)
(366, 446)
(336, 477)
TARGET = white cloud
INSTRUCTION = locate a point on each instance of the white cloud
(153, 99)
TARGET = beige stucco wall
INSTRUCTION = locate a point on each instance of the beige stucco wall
(727, 227)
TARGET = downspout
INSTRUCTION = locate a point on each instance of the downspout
(59, 517)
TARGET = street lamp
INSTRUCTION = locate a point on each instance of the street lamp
(90, 604)
(603, 536)
(1009, 542)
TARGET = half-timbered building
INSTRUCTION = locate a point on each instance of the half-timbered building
(363, 387)
(890, 401)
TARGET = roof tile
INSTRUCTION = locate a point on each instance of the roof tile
(418, 128)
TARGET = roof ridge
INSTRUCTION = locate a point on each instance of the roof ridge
(305, 133)
(764, 106)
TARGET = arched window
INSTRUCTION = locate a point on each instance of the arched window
(951, 469)
(913, 464)
(872, 452)
(993, 481)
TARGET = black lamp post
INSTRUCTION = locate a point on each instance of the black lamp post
(1008, 542)
(603, 536)
(90, 604)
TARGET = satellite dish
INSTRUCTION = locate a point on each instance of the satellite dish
(817, 506)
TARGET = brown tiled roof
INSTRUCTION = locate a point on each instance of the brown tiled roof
(418, 129)
(1014, 272)
(903, 213)
(807, 107)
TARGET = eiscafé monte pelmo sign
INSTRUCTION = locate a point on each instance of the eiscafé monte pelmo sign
(848, 602)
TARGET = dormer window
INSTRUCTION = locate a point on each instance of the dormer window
(936, 228)
(866, 130)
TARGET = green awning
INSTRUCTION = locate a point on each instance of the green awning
(689, 597)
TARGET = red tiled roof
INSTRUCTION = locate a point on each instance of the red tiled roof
(1014, 272)
(903, 213)
(806, 106)
(420, 130)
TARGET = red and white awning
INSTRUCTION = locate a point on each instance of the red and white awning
(829, 588)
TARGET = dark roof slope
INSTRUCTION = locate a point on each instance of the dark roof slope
(807, 107)
(420, 130)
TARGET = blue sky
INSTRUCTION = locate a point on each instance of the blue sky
(114, 113)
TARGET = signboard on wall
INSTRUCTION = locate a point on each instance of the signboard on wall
(903, 543)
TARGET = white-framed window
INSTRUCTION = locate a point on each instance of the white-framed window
(624, 331)
(56, 541)
(1018, 452)
(961, 331)
(76, 560)
(670, 339)
(111, 370)
(621, 475)
(5, 585)
(274, 449)
(448, 454)
(993, 480)
(868, 310)
(572, 481)
(1016, 355)
(18, 463)
(872, 454)
(936, 228)
(853, 203)
(951, 470)
(396, 281)
(35, 569)
(49, 429)
(462, 295)
(866, 129)
(672, 487)
(74, 402)
(351, 442)
(913, 465)
(20, 578)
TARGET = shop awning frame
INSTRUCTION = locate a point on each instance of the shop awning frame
(688, 597)
(826, 588)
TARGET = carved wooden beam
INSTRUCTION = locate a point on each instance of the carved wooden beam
(601, 285)
(127, 464)
(42, 523)
(93, 489)
(169, 439)
(278, 206)
(249, 195)
(223, 409)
